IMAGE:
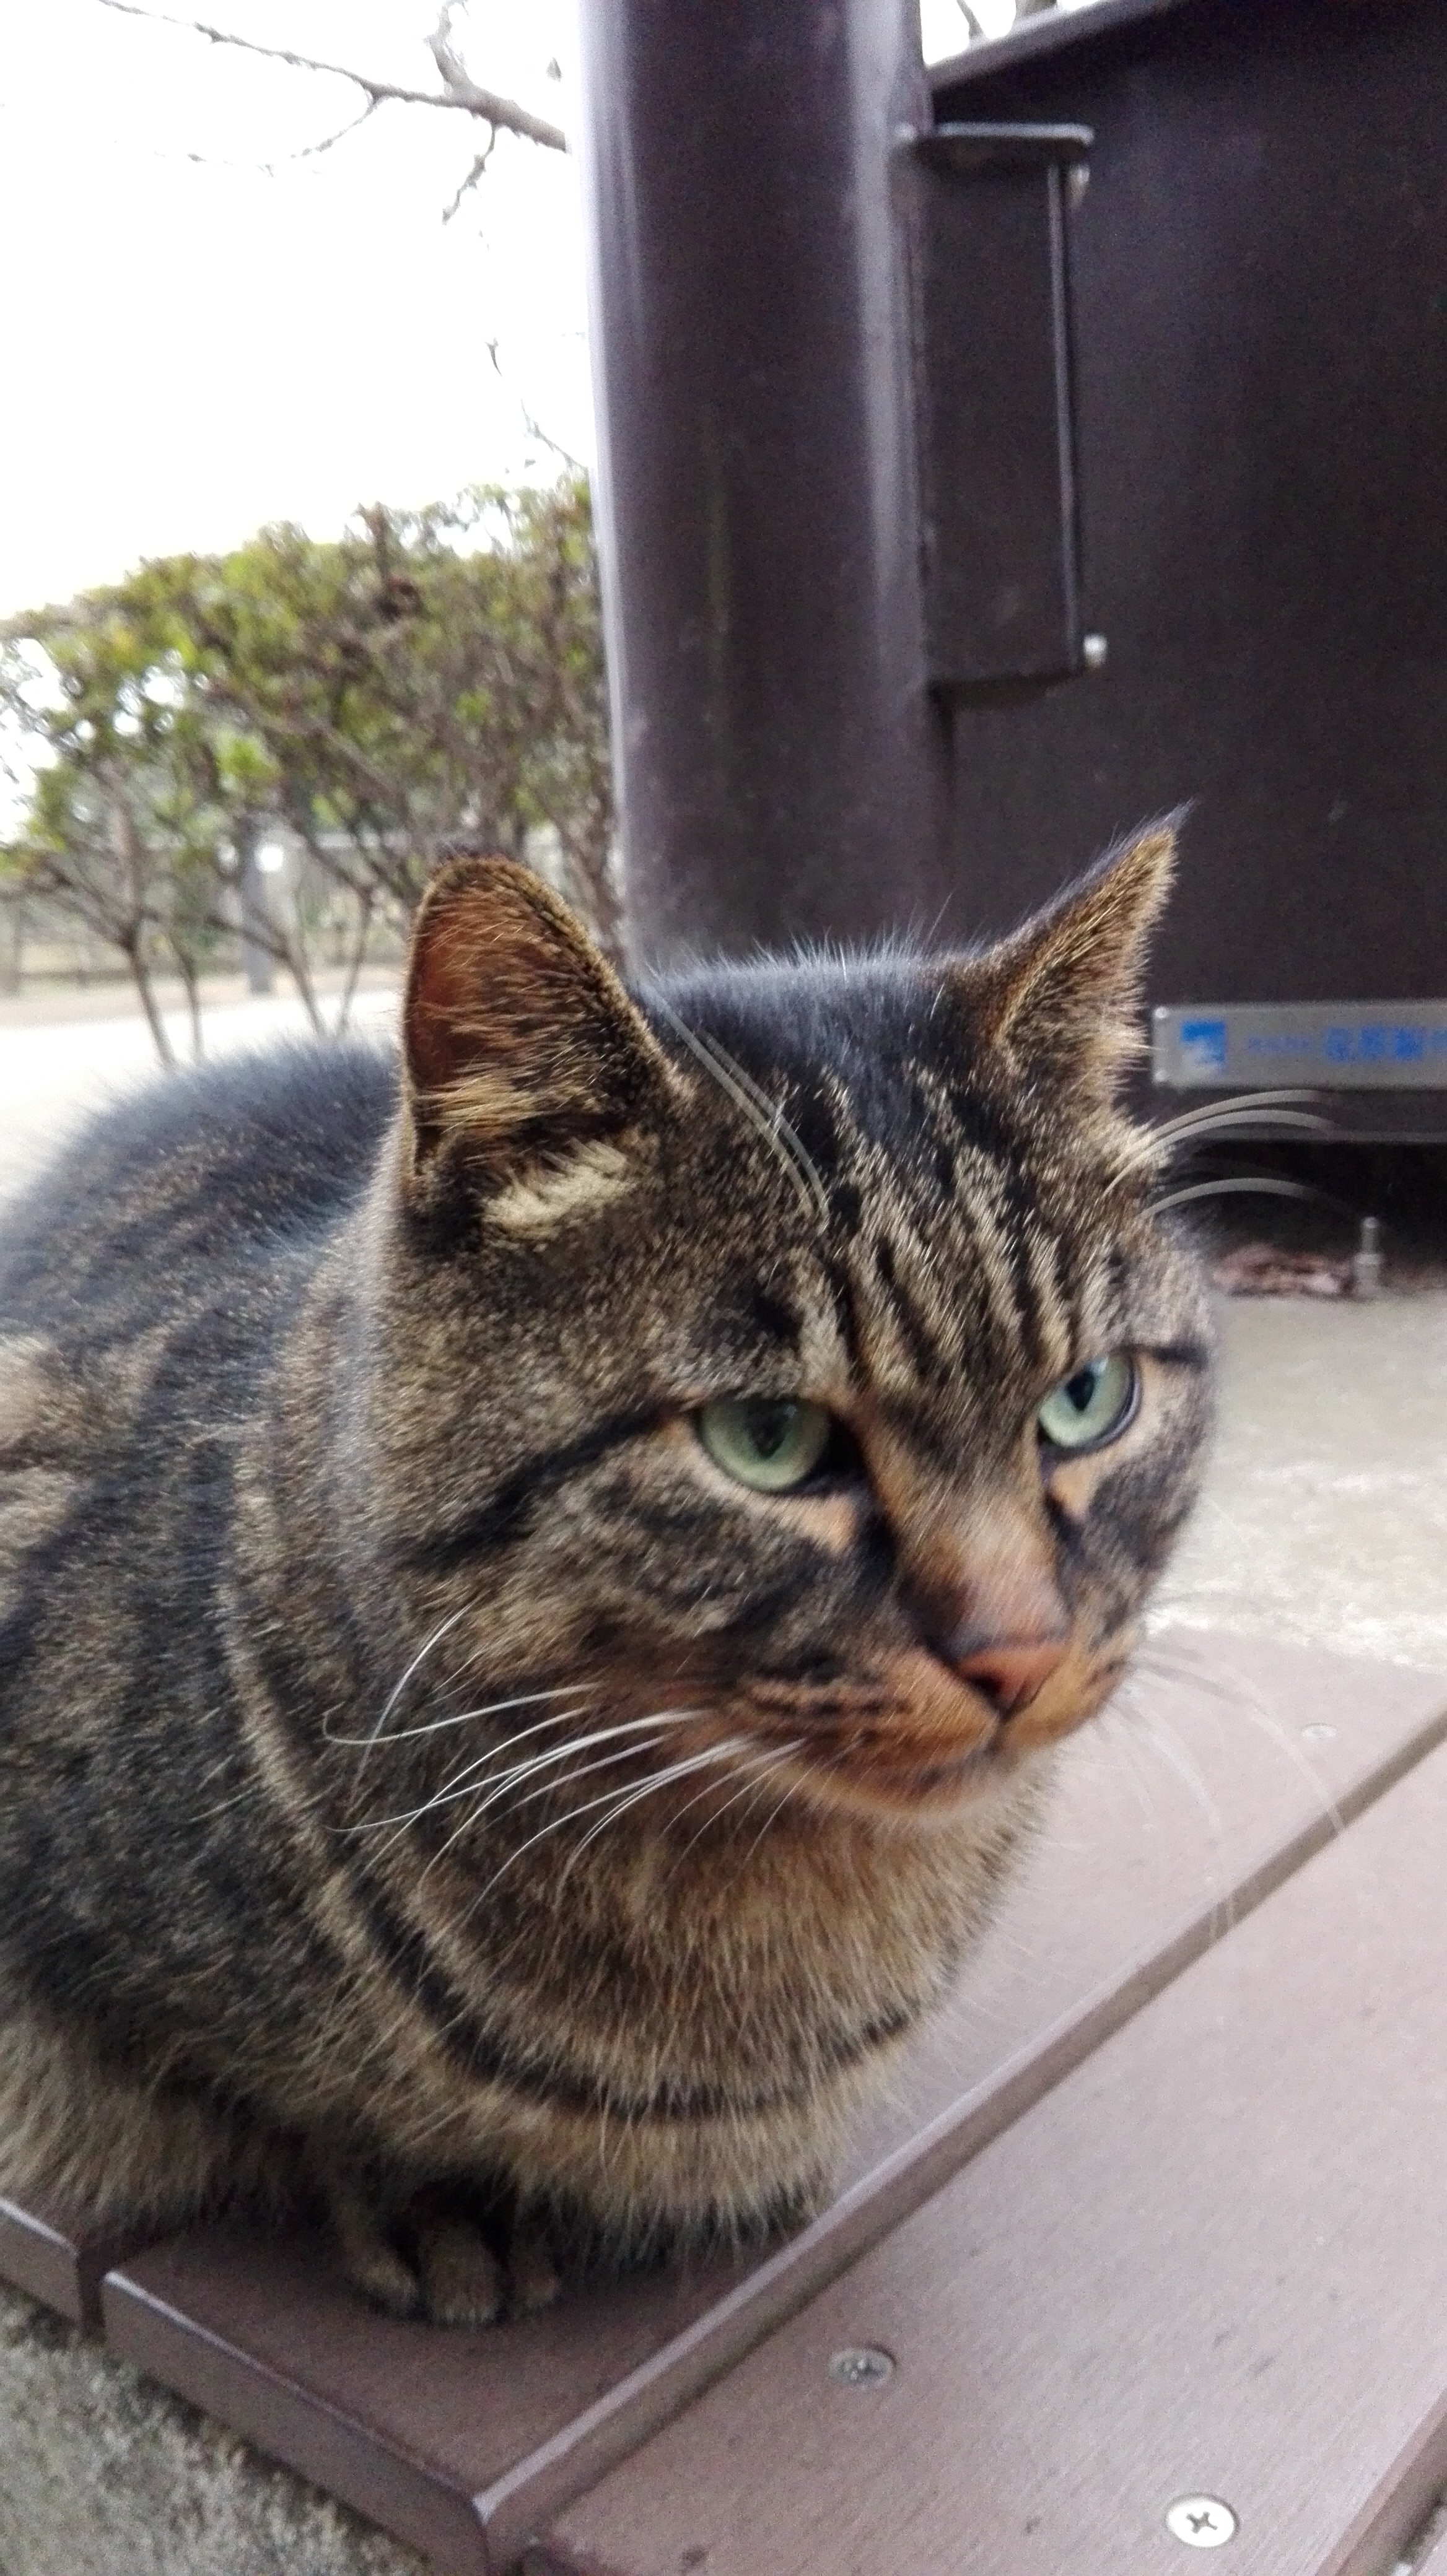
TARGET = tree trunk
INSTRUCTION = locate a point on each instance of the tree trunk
(256, 942)
(299, 969)
(192, 982)
(10, 981)
(140, 973)
(354, 963)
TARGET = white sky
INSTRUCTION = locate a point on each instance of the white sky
(194, 346)
(203, 332)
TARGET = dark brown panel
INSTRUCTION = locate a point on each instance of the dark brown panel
(1211, 2263)
(1261, 406)
(404, 2422)
(1171, 1821)
(997, 444)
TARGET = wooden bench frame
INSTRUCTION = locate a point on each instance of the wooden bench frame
(1194, 1834)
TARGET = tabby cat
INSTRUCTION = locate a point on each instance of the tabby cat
(540, 1584)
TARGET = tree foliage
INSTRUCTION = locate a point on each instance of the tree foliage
(429, 678)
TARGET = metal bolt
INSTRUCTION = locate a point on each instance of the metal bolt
(1202, 2522)
(1094, 652)
(1367, 1260)
(862, 2365)
(1079, 180)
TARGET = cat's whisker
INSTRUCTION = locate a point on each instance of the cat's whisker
(728, 1750)
(1242, 1699)
(1291, 1095)
(463, 1717)
(1276, 1734)
(549, 1789)
(490, 1753)
(1263, 1186)
(442, 1629)
(459, 1785)
(1162, 1738)
(765, 1116)
(1120, 1739)
(766, 1763)
(791, 1789)
(490, 1793)
(608, 1799)
(560, 1753)
(1249, 1122)
(1166, 1741)
(466, 1784)
(1241, 1105)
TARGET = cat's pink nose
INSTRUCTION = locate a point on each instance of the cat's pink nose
(1010, 1672)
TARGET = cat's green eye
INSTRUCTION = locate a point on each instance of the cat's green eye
(766, 1441)
(1090, 1406)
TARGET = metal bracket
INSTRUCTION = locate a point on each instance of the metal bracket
(1001, 544)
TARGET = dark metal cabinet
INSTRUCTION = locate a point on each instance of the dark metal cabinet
(1260, 303)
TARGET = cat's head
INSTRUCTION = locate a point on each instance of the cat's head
(784, 1362)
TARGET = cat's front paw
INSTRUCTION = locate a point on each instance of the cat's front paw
(459, 2278)
(426, 2255)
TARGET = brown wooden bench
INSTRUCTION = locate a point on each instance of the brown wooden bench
(1151, 2217)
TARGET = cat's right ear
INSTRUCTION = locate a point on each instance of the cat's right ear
(522, 1051)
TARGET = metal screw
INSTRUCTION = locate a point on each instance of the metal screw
(862, 2365)
(1094, 652)
(1079, 180)
(1367, 1260)
(1202, 2522)
(1318, 1734)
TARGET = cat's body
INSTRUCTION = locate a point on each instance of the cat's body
(423, 1764)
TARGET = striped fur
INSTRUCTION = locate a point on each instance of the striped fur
(427, 1781)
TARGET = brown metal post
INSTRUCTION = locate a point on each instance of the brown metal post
(780, 763)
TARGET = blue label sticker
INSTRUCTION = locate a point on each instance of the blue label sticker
(1203, 1045)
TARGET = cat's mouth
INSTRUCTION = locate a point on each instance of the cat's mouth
(931, 1744)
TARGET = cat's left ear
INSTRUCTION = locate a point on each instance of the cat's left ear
(1060, 997)
(520, 1046)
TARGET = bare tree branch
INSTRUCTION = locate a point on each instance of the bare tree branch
(460, 92)
(534, 428)
(471, 180)
(309, 151)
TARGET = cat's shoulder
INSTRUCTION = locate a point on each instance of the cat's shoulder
(197, 1165)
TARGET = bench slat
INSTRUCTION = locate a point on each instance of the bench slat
(1144, 1861)
(60, 2265)
(1212, 2262)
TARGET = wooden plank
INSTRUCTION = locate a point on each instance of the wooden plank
(1145, 1860)
(1211, 2263)
(1427, 2553)
(45, 2254)
(403, 2421)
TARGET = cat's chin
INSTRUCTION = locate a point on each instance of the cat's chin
(928, 1792)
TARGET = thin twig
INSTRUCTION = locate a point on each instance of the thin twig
(461, 93)
(471, 180)
(533, 427)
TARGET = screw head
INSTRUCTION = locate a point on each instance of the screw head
(862, 2365)
(1094, 652)
(1201, 2521)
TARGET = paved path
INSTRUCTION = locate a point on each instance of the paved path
(1324, 1516)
